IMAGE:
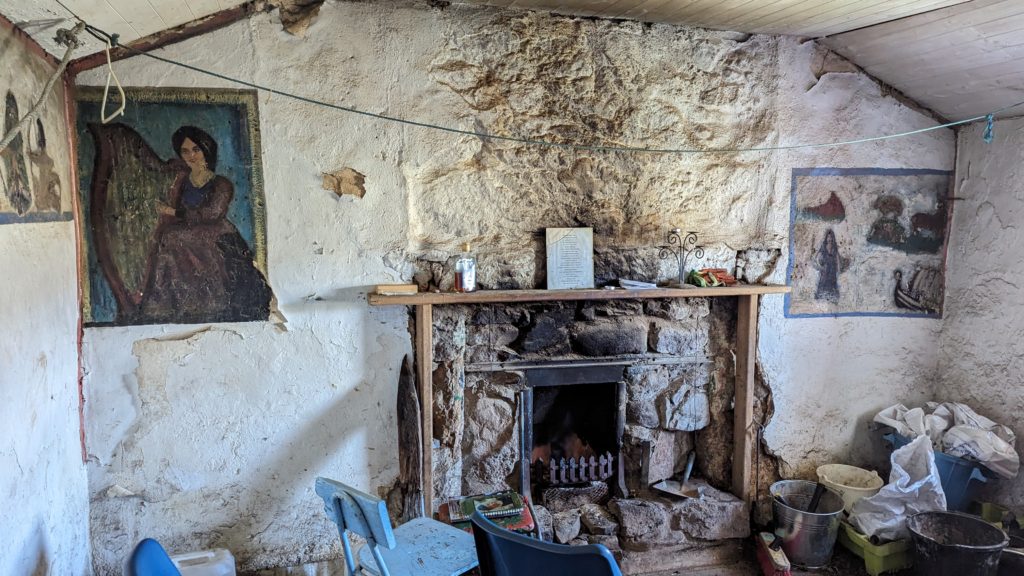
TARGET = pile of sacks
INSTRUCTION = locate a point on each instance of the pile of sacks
(914, 484)
(959, 431)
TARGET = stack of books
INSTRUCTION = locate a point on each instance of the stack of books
(497, 505)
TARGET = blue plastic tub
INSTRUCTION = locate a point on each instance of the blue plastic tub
(961, 479)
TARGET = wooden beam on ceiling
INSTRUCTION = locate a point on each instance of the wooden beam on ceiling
(167, 37)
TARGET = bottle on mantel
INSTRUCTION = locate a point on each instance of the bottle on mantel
(465, 271)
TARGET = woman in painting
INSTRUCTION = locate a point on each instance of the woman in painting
(202, 268)
(829, 264)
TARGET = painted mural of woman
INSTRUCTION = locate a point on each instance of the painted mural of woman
(202, 268)
(830, 264)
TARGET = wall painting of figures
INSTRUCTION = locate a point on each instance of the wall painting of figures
(868, 242)
(172, 208)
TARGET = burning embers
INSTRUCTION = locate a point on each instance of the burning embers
(574, 471)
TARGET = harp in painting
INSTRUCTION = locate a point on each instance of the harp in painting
(129, 182)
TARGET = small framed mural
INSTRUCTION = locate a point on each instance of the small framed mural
(868, 242)
(172, 206)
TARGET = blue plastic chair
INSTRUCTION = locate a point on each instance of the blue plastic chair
(505, 553)
(419, 547)
(150, 559)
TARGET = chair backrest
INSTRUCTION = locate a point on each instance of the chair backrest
(504, 553)
(356, 511)
(150, 559)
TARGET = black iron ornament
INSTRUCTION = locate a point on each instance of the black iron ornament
(681, 247)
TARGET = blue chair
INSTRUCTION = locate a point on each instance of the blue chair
(505, 553)
(420, 547)
(150, 559)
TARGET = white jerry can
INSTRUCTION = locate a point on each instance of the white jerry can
(216, 562)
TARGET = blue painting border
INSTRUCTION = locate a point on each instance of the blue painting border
(796, 172)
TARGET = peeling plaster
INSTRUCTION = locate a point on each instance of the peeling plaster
(345, 181)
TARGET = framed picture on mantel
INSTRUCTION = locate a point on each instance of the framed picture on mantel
(570, 258)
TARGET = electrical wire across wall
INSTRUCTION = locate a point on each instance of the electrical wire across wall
(113, 40)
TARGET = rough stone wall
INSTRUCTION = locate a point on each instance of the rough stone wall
(43, 498)
(982, 354)
(322, 392)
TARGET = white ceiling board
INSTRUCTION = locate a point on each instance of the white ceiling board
(960, 61)
(794, 17)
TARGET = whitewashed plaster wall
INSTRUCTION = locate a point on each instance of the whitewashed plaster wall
(982, 352)
(204, 436)
(44, 502)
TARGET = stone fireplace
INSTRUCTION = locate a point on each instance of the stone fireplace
(583, 406)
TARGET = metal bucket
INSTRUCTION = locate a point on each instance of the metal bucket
(807, 538)
(955, 544)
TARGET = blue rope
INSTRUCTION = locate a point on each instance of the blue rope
(587, 147)
(987, 136)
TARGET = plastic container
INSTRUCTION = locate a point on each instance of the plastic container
(850, 482)
(961, 479)
(807, 538)
(878, 558)
(955, 544)
(216, 562)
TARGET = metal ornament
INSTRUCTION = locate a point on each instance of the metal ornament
(684, 247)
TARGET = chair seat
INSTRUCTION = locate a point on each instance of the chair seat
(425, 547)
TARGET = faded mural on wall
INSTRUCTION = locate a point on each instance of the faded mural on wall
(172, 202)
(868, 242)
(32, 185)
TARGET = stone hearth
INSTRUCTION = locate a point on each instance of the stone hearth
(660, 359)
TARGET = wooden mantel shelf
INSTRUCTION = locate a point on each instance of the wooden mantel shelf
(746, 350)
(512, 296)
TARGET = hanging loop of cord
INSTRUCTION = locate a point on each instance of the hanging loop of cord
(110, 41)
(65, 37)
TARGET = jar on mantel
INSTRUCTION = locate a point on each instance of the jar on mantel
(465, 271)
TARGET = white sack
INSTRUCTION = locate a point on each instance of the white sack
(984, 446)
(913, 487)
(959, 431)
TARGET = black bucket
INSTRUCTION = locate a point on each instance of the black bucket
(955, 544)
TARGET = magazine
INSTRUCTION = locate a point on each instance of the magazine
(497, 505)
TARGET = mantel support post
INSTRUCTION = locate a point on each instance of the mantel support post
(743, 434)
(424, 373)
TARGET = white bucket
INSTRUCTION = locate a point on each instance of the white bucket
(850, 482)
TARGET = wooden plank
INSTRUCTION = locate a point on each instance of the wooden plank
(641, 10)
(863, 19)
(743, 430)
(934, 30)
(406, 499)
(951, 48)
(425, 375)
(499, 296)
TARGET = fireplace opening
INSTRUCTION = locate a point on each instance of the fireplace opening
(575, 425)
(573, 429)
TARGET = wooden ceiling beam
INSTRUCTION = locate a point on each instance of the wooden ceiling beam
(167, 37)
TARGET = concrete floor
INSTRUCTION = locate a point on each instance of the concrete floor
(843, 564)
